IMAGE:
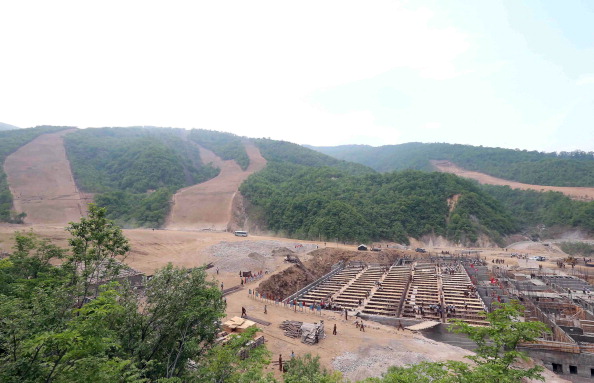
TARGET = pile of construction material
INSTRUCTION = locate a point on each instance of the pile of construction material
(238, 325)
(292, 328)
(312, 333)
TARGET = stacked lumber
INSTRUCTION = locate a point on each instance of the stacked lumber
(292, 328)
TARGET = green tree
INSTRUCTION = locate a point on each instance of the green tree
(223, 364)
(71, 324)
(307, 369)
(96, 244)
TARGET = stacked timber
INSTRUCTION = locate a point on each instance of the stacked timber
(292, 328)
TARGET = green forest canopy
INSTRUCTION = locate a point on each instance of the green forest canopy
(327, 203)
(10, 141)
(225, 145)
(532, 167)
(134, 171)
(287, 152)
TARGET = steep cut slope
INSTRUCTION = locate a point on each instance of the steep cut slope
(207, 206)
(576, 193)
(41, 182)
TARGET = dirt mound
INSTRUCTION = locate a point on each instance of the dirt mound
(256, 256)
(282, 252)
(41, 182)
(242, 254)
(577, 193)
(295, 278)
(209, 205)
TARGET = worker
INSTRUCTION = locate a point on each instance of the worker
(334, 331)
(362, 327)
(280, 362)
(243, 312)
(400, 326)
(265, 310)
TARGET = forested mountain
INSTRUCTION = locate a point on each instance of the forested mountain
(545, 209)
(329, 204)
(283, 151)
(225, 145)
(135, 171)
(4, 126)
(10, 141)
(532, 167)
(307, 194)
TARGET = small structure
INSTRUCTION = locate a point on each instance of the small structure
(362, 247)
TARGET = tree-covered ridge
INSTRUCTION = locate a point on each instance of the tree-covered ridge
(225, 145)
(532, 208)
(10, 141)
(532, 167)
(135, 171)
(327, 203)
(283, 151)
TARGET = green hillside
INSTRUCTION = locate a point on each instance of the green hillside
(329, 204)
(283, 151)
(134, 171)
(534, 209)
(10, 141)
(225, 145)
(539, 168)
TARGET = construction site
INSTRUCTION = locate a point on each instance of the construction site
(425, 292)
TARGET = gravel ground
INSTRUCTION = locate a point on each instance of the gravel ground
(251, 255)
(373, 361)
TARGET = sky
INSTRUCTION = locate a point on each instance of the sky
(513, 74)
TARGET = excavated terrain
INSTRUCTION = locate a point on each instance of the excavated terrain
(208, 205)
(41, 182)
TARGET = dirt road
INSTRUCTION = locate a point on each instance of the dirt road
(207, 206)
(41, 181)
(577, 193)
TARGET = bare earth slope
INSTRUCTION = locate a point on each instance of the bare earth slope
(41, 182)
(207, 206)
(577, 193)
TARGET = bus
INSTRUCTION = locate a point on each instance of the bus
(240, 233)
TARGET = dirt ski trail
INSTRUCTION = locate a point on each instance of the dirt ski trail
(207, 206)
(41, 182)
(577, 193)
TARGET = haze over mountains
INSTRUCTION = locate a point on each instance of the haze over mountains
(4, 126)
(207, 180)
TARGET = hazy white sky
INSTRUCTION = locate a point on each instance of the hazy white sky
(517, 74)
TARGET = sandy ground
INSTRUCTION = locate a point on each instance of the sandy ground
(41, 181)
(208, 205)
(577, 193)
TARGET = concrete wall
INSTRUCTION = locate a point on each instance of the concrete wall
(584, 363)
